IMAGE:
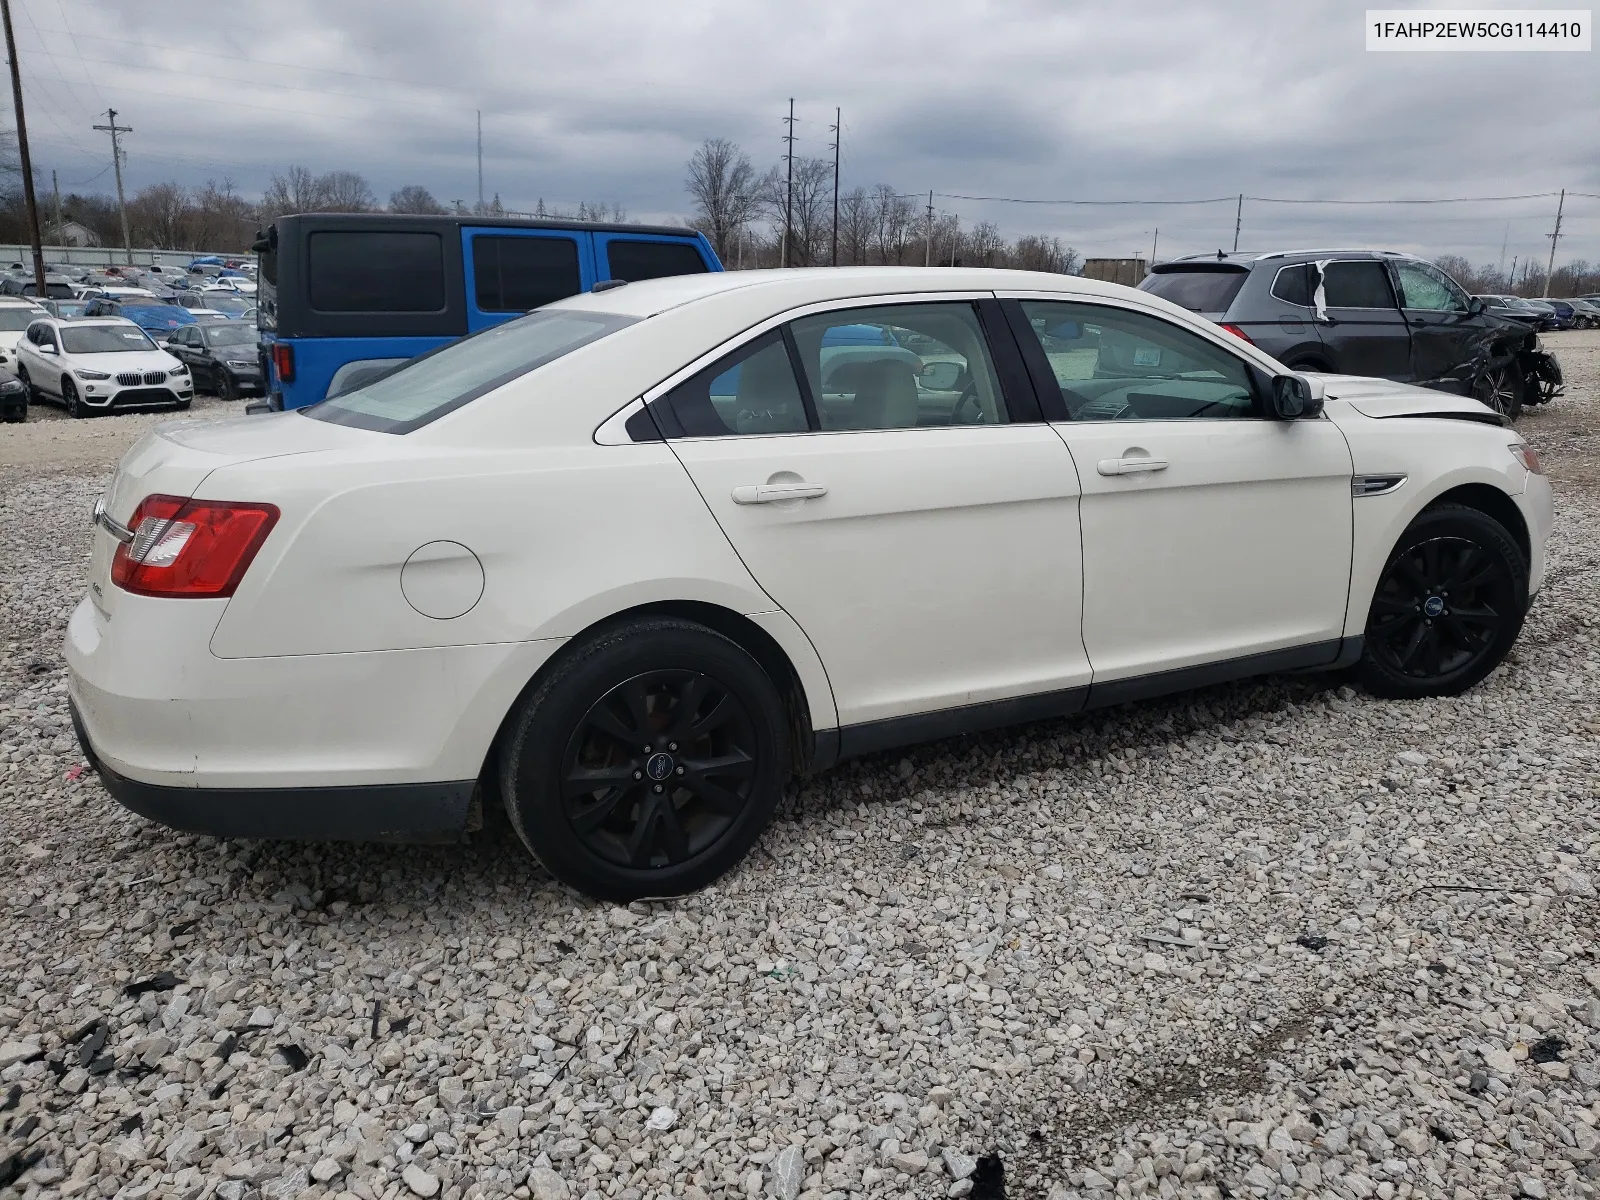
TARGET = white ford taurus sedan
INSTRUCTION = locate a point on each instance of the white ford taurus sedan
(634, 560)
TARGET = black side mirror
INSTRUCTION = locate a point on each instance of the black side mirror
(1475, 305)
(1292, 399)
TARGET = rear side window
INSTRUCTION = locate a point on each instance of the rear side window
(518, 274)
(1296, 285)
(751, 391)
(1203, 291)
(376, 272)
(1356, 285)
(634, 261)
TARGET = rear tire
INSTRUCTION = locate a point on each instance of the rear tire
(1448, 606)
(647, 762)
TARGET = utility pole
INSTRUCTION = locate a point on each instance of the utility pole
(22, 152)
(1511, 283)
(1550, 272)
(1504, 239)
(788, 187)
(1153, 242)
(116, 161)
(55, 183)
(835, 127)
(927, 241)
(480, 162)
(1238, 220)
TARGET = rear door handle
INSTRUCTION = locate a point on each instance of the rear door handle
(771, 493)
(1130, 466)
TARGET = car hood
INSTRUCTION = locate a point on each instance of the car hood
(1384, 398)
(10, 337)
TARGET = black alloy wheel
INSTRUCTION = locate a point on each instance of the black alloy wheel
(1501, 388)
(69, 397)
(647, 761)
(226, 388)
(1448, 606)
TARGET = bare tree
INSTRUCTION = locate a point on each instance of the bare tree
(158, 216)
(893, 232)
(984, 247)
(1044, 253)
(297, 190)
(414, 198)
(855, 227)
(347, 191)
(724, 188)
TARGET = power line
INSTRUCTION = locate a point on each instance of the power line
(1017, 200)
(1261, 199)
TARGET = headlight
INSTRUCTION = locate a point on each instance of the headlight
(11, 385)
(243, 362)
(180, 369)
(91, 374)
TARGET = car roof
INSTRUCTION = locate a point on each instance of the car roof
(1247, 257)
(805, 285)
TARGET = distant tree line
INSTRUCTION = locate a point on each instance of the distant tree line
(1577, 278)
(768, 220)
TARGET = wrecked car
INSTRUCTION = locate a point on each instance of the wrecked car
(1366, 312)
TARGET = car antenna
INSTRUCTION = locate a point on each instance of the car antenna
(1221, 255)
(605, 285)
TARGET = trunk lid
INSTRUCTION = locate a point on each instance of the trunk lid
(175, 458)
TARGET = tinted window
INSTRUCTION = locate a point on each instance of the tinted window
(1294, 285)
(651, 260)
(752, 390)
(372, 272)
(1198, 291)
(1427, 287)
(430, 386)
(1356, 285)
(1114, 364)
(861, 382)
(519, 274)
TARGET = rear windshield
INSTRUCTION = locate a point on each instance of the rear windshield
(426, 388)
(1203, 291)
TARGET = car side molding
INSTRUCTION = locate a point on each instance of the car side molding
(831, 746)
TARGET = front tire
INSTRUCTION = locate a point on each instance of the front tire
(226, 388)
(69, 398)
(1448, 606)
(648, 762)
(1503, 389)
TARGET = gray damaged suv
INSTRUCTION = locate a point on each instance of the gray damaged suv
(1365, 312)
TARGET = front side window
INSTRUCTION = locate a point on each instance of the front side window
(1356, 285)
(635, 261)
(373, 271)
(1116, 364)
(426, 388)
(899, 366)
(750, 391)
(519, 274)
(1426, 287)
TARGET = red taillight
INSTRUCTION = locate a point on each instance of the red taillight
(1238, 333)
(283, 362)
(190, 547)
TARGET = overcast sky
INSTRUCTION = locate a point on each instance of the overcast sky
(604, 100)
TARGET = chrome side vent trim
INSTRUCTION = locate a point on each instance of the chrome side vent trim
(1376, 485)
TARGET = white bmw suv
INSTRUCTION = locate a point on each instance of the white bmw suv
(96, 365)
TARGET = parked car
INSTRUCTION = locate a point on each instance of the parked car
(1588, 312)
(153, 316)
(216, 300)
(13, 398)
(1517, 309)
(221, 355)
(66, 309)
(91, 366)
(1567, 316)
(1547, 312)
(1365, 312)
(1114, 499)
(15, 316)
(238, 284)
(58, 287)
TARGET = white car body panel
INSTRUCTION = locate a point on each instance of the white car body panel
(46, 371)
(945, 566)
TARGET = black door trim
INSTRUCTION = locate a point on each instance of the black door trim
(834, 745)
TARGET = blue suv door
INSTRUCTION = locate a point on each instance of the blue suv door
(511, 271)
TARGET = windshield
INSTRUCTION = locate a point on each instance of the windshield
(72, 308)
(17, 318)
(426, 388)
(104, 339)
(1198, 291)
(230, 335)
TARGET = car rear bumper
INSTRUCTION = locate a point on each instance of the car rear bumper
(422, 812)
(384, 744)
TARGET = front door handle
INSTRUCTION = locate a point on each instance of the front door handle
(772, 493)
(1130, 466)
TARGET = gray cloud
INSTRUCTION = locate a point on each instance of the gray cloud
(1026, 98)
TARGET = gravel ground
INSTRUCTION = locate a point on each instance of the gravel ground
(1275, 939)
